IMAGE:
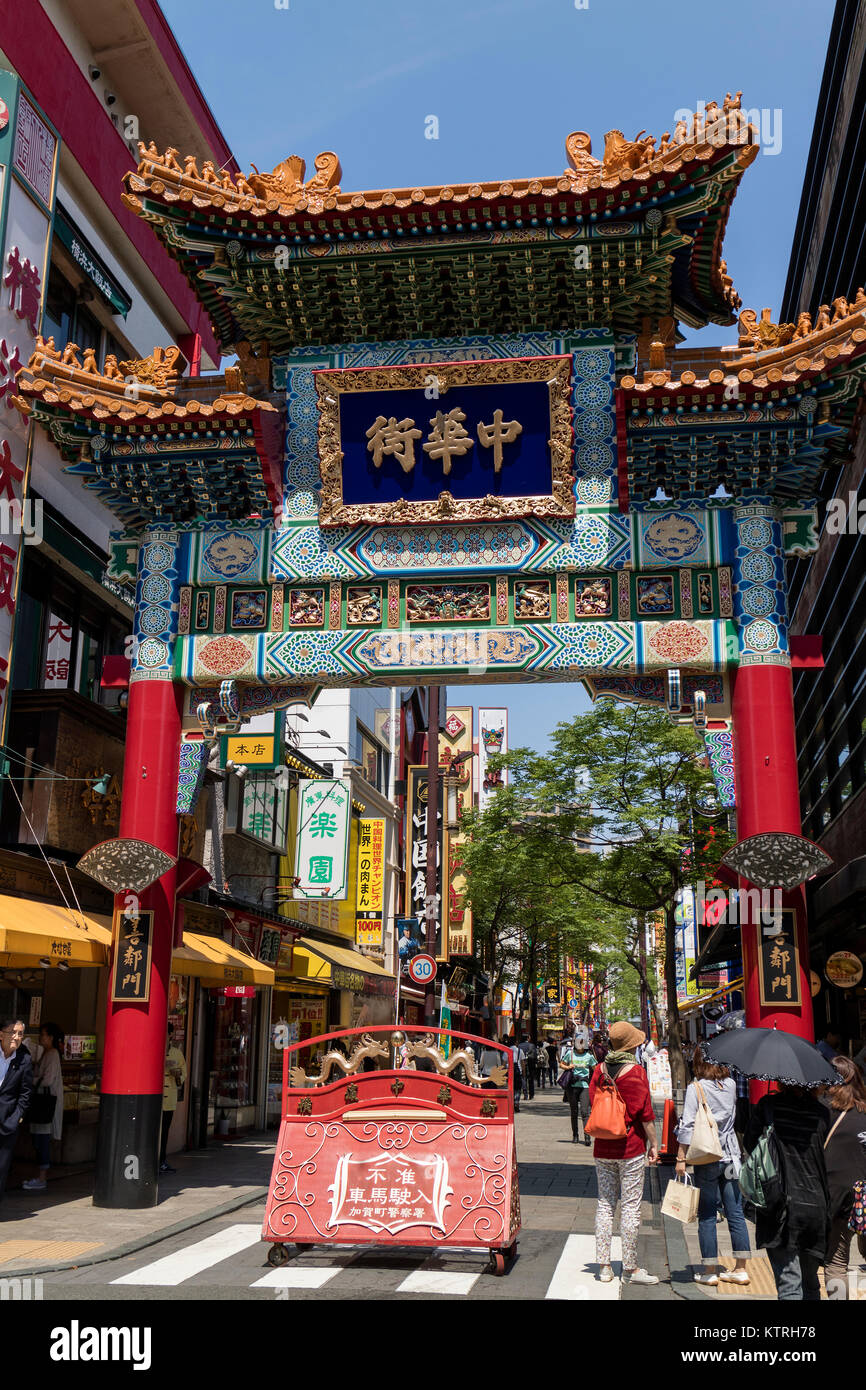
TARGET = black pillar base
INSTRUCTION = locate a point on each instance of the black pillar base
(127, 1151)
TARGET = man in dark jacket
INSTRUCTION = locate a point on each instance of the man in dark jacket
(16, 1088)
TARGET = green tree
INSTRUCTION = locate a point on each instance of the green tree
(612, 808)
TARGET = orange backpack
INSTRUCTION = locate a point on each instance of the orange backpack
(608, 1116)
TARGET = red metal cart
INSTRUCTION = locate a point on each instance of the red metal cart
(372, 1151)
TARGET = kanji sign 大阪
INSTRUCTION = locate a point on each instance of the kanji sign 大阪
(321, 865)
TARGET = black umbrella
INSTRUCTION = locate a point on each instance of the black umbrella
(767, 1054)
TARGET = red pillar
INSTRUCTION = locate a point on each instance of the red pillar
(765, 760)
(135, 1034)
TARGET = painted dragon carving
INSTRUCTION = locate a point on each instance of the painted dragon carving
(425, 1049)
(367, 1047)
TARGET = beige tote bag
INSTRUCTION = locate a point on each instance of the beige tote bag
(705, 1146)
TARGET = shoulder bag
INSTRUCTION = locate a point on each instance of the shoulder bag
(705, 1146)
(43, 1103)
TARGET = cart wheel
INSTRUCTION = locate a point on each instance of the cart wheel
(277, 1255)
(497, 1262)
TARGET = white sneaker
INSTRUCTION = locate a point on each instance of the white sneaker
(34, 1185)
(639, 1276)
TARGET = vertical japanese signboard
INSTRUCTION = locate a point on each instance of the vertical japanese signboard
(779, 964)
(322, 860)
(458, 749)
(28, 173)
(370, 901)
(133, 948)
(492, 739)
(416, 869)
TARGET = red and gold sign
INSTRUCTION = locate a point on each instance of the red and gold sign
(370, 899)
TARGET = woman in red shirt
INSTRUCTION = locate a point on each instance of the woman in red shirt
(619, 1163)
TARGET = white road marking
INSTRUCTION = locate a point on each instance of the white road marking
(438, 1281)
(298, 1277)
(194, 1259)
(575, 1276)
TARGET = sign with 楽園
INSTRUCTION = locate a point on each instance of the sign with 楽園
(321, 864)
(460, 440)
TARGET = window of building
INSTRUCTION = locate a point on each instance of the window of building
(374, 759)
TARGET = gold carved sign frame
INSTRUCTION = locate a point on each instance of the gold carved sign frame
(331, 383)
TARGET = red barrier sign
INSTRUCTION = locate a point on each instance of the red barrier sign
(422, 969)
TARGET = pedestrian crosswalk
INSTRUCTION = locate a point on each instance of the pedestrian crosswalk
(235, 1253)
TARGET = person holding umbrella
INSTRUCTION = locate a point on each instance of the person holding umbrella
(794, 1232)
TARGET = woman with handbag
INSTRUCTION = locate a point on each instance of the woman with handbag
(578, 1063)
(707, 1140)
(845, 1157)
(618, 1082)
(46, 1119)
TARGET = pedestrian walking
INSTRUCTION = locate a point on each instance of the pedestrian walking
(795, 1233)
(830, 1044)
(579, 1064)
(47, 1087)
(175, 1076)
(552, 1051)
(845, 1157)
(16, 1088)
(600, 1047)
(620, 1163)
(716, 1182)
(527, 1052)
(517, 1059)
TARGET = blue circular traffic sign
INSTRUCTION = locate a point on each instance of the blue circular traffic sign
(422, 969)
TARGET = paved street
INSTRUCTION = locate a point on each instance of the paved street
(225, 1259)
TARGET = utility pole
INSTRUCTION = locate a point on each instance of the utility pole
(432, 844)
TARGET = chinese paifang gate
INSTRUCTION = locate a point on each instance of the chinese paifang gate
(460, 444)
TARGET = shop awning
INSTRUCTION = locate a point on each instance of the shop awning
(717, 994)
(342, 956)
(32, 932)
(215, 962)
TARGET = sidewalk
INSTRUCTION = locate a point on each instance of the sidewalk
(61, 1229)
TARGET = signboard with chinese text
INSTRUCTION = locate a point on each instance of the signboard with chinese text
(130, 974)
(263, 810)
(468, 431)
(779, 965)
(250, 750)
(417, 850)
(91, 264)
(35, 155)
(322, 860)
(370, 900)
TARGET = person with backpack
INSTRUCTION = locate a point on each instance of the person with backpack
(793, 1225)
(527, 1051)
(845, 1157)
(623, 1126)
(715, 1089)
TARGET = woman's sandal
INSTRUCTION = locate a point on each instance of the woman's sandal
(735, 1276)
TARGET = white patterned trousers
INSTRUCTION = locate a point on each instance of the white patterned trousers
(619, 1179)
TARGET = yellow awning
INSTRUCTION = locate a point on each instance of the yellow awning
(343, 956)
(33, 931)
(710, 998)
(214, 962)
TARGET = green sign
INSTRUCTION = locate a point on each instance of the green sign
(90, 264)
(322, 862)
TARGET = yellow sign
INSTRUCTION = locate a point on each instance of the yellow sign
(368, 931)
(252, 750)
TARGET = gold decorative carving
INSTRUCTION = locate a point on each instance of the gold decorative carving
(532, 599)
(443, 603)
(330, 384)
(160, 369)
(444, 1095)
(367, 1047)
(764, 333)
(427, 1050)
(363, 605)
(351, 1093)
(488, 1108)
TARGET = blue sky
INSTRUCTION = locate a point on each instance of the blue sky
(507, 82)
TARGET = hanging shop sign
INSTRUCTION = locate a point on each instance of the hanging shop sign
(492, 739)
(130, 976)
(322, 859)
(844, 969)
(779, 965)
(238, 991)
(815, 979)
(90, 263)
(252, 750)
(416, 873)
(370, 898)
(270, 942)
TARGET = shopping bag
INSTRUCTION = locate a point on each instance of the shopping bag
(681, 1200)
(705, 1146)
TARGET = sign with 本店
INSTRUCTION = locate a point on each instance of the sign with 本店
(251, 750)
(322, 858)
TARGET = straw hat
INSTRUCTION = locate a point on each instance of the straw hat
(623, 1037)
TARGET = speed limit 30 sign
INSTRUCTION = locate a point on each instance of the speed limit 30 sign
(422, 969)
